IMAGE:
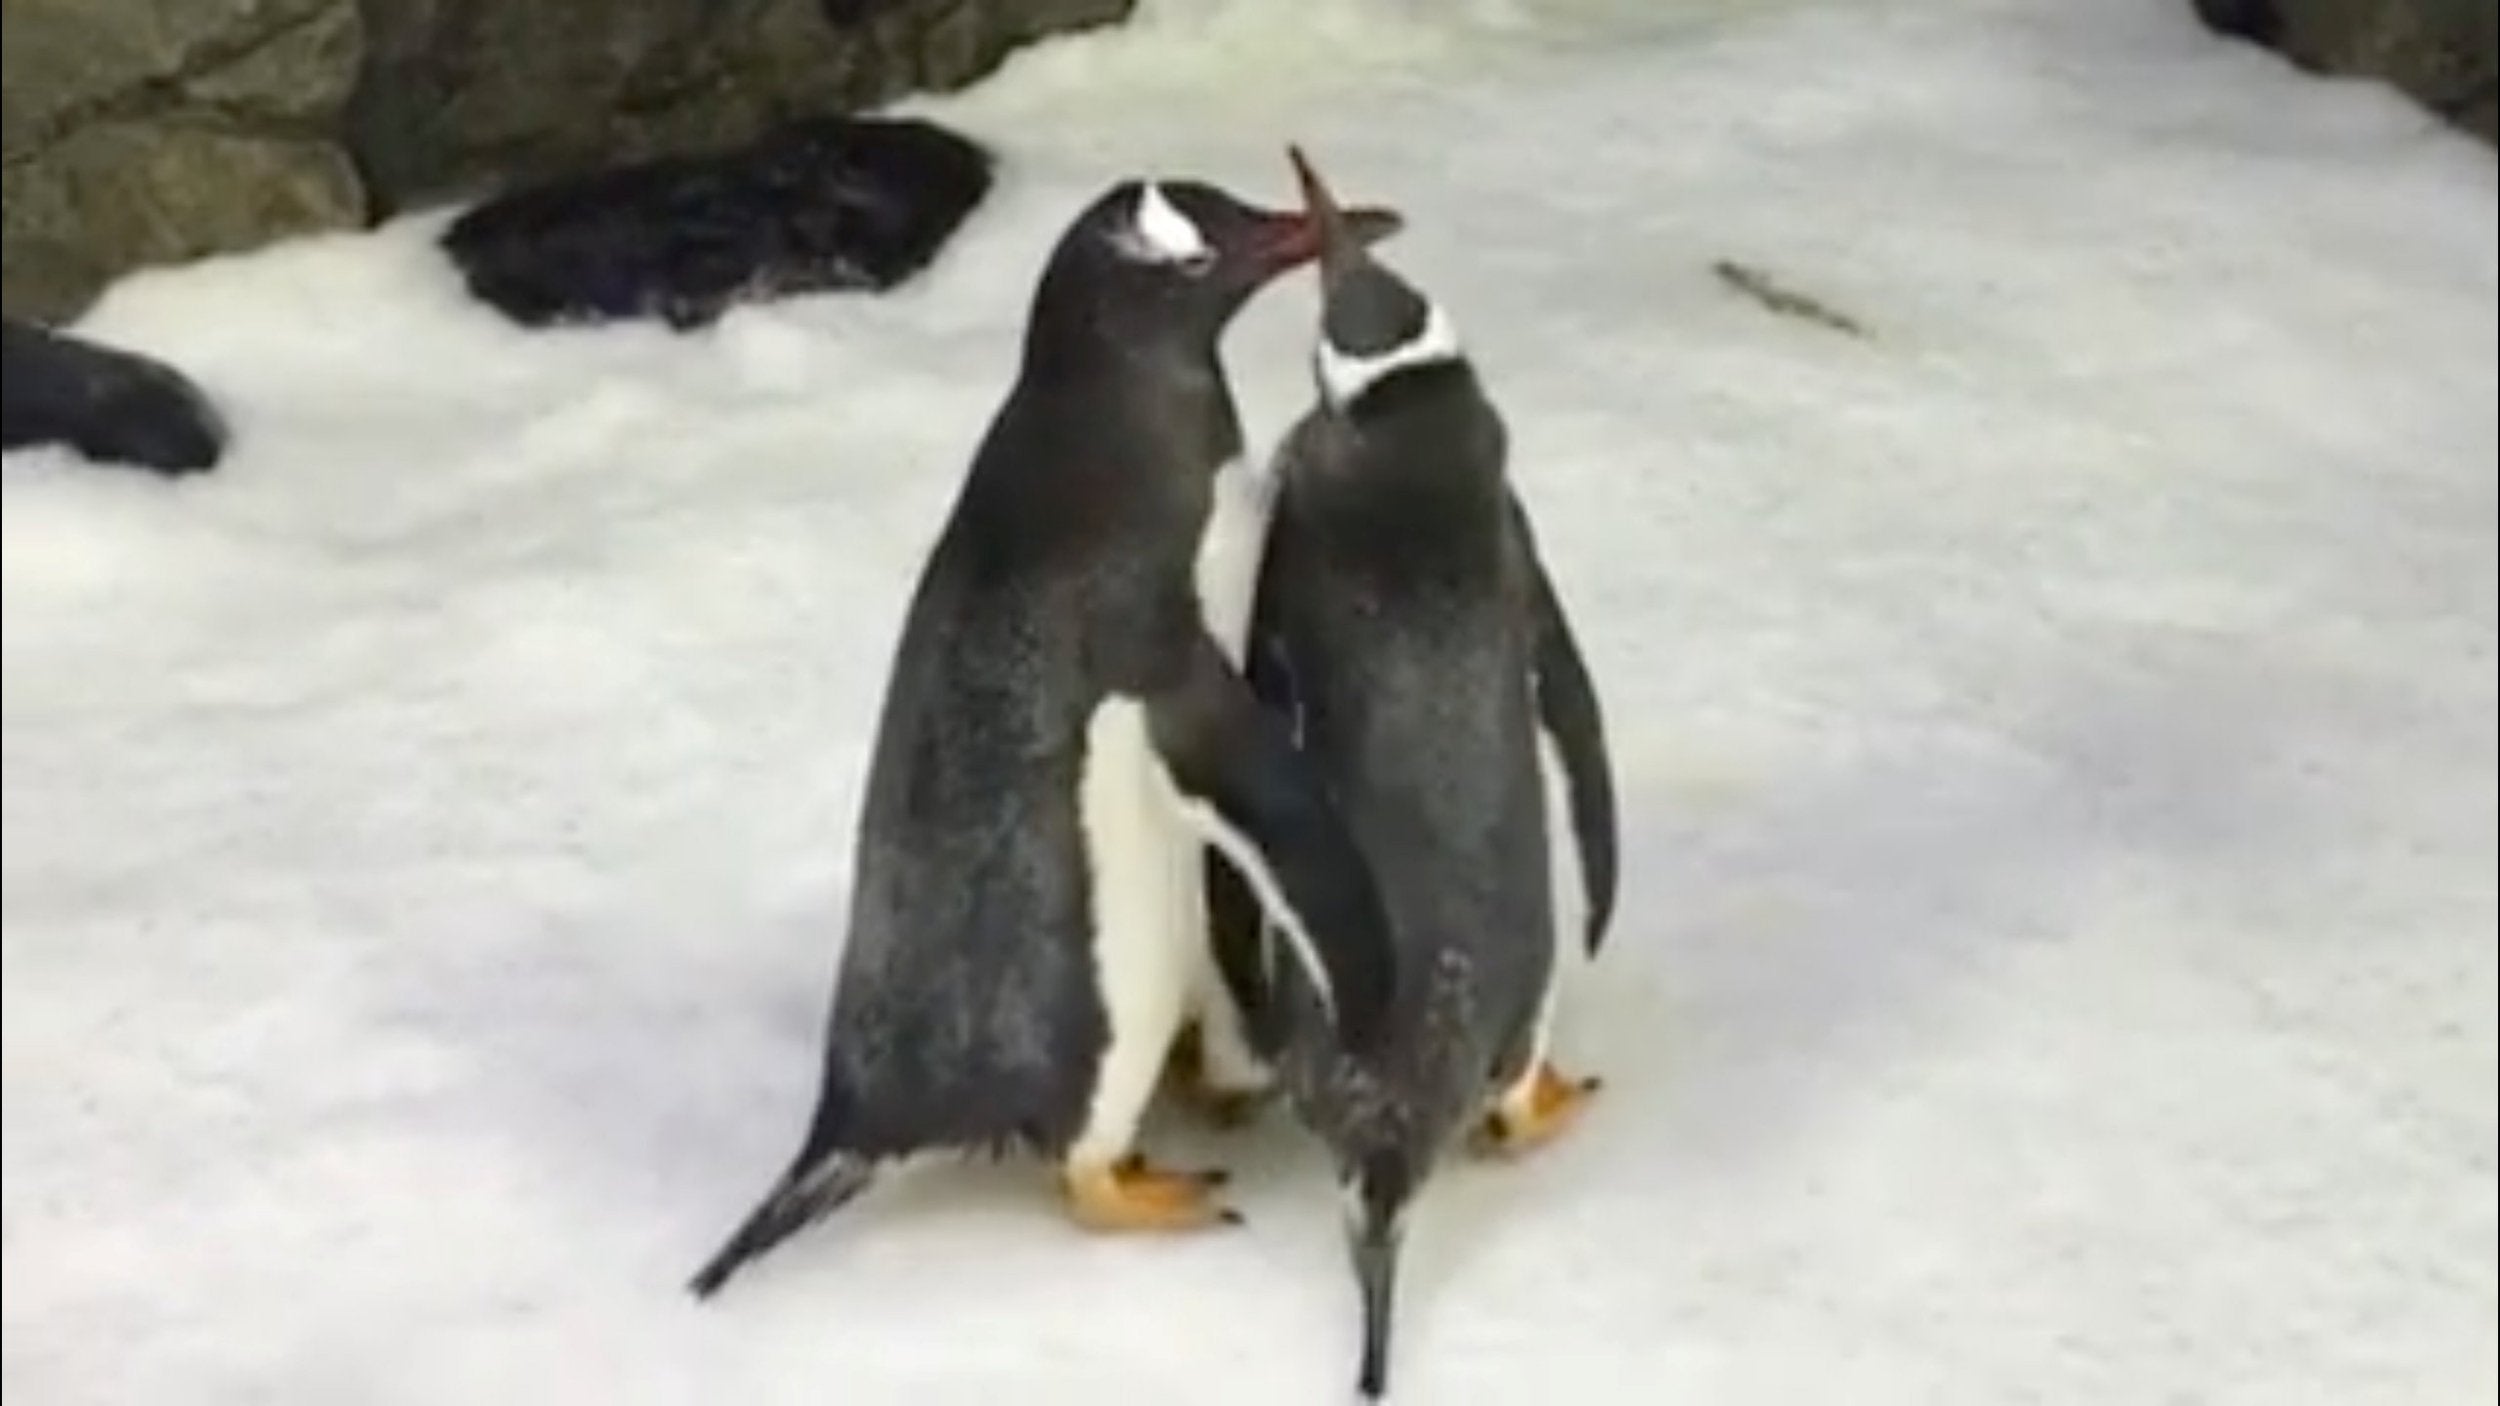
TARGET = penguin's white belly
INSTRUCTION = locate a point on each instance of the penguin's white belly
(1229, 552)
(1141, 856)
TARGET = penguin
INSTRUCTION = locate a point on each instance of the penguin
(1406, 627)
(1059, 735)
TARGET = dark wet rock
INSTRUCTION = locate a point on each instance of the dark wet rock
(112, 406)
(827, 204)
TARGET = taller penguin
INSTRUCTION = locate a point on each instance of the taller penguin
(1060, 737)
(1407, 628)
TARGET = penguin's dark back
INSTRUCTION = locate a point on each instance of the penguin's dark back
(1070, 536)
(1397, 589)
(973, 744)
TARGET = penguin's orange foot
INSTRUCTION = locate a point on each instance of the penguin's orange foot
(1130, 1195)
(1541, 1107)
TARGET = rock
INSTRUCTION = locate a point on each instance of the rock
(66, 60)
(460, 96)
(304, 75)
(111, 406)
(2479, 113)
(152, 131)
(112, 196)
(2445, 53)
(819, 205)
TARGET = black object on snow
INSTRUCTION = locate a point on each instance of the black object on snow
(112, 406)
(2258, 21)
(816, 205)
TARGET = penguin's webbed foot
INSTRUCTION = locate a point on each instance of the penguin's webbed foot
(1131, 1195)
(1539, 1108)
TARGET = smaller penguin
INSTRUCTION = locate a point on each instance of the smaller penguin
(1406, 628)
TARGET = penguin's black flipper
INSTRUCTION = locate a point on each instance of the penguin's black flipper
(1264, 805)
(1237, 932)
(1567, 709)
(1236, 926)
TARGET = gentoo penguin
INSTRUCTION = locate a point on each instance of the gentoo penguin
(1406, 627)
(1060, 736)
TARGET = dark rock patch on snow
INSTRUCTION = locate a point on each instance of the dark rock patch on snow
(114, 407)
(832, 203)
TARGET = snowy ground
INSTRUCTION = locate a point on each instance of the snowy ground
(2057, 736)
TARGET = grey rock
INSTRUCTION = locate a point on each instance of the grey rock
(116, 195)
(153, 131)
(460, 96)
(149, 131)
(2445, 53)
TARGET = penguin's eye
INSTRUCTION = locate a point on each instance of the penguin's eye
(1197, 265)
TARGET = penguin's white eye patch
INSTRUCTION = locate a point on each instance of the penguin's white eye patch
(1159, 233)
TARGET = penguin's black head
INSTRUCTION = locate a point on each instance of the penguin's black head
(1373, 323)
(1168, 262)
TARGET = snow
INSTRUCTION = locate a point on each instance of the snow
(2056, 735)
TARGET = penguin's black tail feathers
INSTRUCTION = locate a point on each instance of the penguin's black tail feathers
(811, 1191)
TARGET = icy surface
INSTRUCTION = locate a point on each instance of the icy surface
(2056, 733)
